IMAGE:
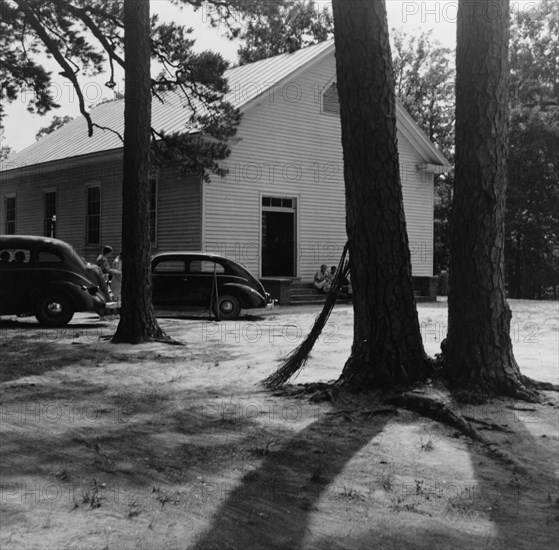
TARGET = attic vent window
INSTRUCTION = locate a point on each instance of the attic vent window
(330, 101)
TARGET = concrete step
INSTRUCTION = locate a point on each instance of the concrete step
(306, 302)
(319, 301)
(299, 286)
(305, 292)
(309, 298)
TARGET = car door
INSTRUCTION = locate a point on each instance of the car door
(202, 272)
(169, 281)
(16, 280)
(50, 266)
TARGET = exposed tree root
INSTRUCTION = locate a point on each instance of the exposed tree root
(537, 385)
(488, 425)
(168, 340)
(315, 391)
(164, 339)
(436, 403)
(512, 385)
(439, 406)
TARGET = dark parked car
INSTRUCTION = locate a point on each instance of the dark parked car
(205, 280)
(47, 278)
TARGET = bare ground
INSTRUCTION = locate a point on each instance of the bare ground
(158, 446)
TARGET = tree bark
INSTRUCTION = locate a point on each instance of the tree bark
(478, 349)
(137, 318)
(387, 346)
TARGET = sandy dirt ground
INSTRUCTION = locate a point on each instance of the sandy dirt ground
(155, 446)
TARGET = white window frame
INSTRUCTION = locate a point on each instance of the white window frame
(8, 196)
(295, 209)
(89, 186)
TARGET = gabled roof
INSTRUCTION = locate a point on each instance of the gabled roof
(246, 83)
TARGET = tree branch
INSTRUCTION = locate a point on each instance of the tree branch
(53, 49)
(81, 13)
(110, 130)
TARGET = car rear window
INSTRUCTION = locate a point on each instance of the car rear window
(169, 266)
(14, 256)
(205, 266)
(49, 257)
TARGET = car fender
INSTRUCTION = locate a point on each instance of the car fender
(248, 297)
(74, 291)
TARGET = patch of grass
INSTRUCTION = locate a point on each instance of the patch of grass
(386, 480)
(348, 491)
(316, 476)
(92, 496)
(426, 446)
(406, 507)
(163, 497)
(462, 507)
(46, 525)
(263, 451)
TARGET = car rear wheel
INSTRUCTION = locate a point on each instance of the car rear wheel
(228, 307)
(54, 309)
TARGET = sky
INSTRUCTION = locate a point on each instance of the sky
(412, 17)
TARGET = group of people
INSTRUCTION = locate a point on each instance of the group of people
(19, 257)
(112, 274)
(324, 278)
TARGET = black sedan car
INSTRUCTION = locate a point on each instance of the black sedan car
(47, 278)
(205, 280)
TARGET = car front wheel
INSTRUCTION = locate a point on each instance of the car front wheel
(228, 307)
(54, 310)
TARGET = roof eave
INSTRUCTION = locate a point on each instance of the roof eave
(59, 164)
(250, 103)
(418, 138)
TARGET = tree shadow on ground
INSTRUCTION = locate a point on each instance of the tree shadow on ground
(274, 505)
(23, 357)
(191, 316)
(271, 506)
(144, 436)
(516, 474)
(28, 324)
(79, 429)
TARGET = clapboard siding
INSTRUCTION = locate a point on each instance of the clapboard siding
(289, 148)
(70, 185)
(284, 147)
(418, 192)
(178, 211)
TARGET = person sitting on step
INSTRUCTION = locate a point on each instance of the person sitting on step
(322, 279)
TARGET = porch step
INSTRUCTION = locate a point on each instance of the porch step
(306, 294)
(301, 301)
(306, 291)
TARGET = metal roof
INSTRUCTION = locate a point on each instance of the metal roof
(246, 83)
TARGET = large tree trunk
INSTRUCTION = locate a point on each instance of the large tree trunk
(387, 346)
(478, 348)
(137, 319)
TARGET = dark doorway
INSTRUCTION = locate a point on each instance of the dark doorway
(278, 244)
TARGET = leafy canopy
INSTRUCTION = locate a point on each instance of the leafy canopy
(284, 27)
(532, 215)
(85, 38)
